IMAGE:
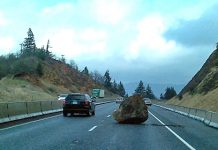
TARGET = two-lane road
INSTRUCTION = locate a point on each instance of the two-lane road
(163, 130)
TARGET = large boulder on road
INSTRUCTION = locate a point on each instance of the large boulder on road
(133, 110)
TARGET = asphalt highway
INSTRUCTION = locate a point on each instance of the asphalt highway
(164, 130)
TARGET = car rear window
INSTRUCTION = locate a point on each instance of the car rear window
(63, 95)
(75, 97)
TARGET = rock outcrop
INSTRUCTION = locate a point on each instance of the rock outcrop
(133, 110)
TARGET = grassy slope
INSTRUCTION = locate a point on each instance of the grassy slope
(208, 101)
(56, 78)
(201, 92)
(17, 90)
(202, 100)
(12, 90)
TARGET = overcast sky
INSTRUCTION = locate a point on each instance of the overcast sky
(157, 41)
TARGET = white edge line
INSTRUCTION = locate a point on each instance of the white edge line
(28, 123)
(181, 139)
(92, 128)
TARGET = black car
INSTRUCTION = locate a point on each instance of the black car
(78, 103)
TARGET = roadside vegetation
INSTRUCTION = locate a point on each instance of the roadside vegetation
(170, 92)
(144, 92)
(201, 101)
(37, 74)
(13, 90)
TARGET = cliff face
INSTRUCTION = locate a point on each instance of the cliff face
(60, 74)
(206, 79)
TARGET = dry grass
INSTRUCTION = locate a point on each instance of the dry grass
(57, 78)
(208, 101)
(12, 90)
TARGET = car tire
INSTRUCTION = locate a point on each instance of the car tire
(64, 114)
(93, 113)
(89, 113)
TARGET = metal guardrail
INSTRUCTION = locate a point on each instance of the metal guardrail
(208, 117)
(21, 110)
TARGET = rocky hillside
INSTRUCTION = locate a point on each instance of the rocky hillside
(202, 90)
(206, 79)
(57, 77)
(60, 74)
(35, 73)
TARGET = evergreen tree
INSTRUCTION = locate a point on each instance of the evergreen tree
(4, 69)
(86, 71)
(180, 96)
(63, 59)
(140, 89)
(161, 96)
(39, 69)
(114, 87)
(29, 45)
(107, 80)
(169, 93)
(149, 93)
(121, 89)
(24, 65)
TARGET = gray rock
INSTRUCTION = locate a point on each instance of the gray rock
(133, 110)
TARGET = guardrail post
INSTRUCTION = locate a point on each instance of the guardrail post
(27, 108)
(210, 117)
(205, 116)
(189, 111)
(8, 111)
(51, 106)
(41, 106)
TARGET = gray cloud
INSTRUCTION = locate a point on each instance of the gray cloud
(199, 32)
(179, 70)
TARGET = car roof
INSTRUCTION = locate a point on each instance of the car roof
(77, 94)
(63, 94)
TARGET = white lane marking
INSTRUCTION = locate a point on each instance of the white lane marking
(181, 139)
(92, 128)
(108, 116)
(29, 122)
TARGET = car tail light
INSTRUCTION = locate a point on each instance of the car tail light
(86, 102)
(65, 102)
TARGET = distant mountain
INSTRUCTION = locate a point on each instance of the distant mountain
(156, 88)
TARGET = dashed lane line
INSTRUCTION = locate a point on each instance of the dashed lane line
(181, 139)
(108, 116)
(93, 128)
